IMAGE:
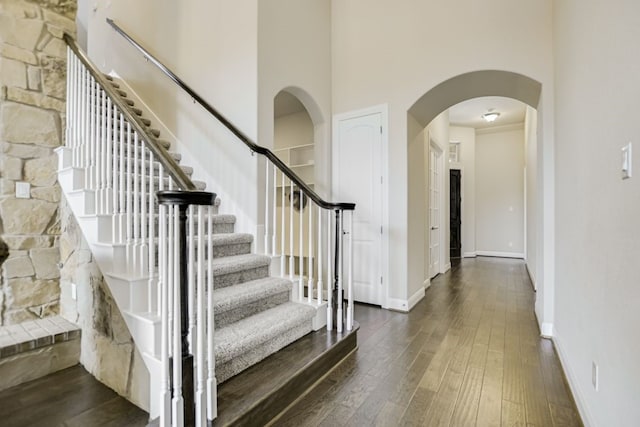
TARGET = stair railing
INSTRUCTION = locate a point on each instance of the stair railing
(297, 230)
(121, 166)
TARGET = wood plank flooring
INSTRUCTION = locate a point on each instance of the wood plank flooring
(468, 354)
(68, 398)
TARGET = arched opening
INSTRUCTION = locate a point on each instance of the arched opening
(428, 133)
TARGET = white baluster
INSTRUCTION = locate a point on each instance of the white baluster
(339, 318)
(301, 247)
(283, 210)
(113, 132)
(151, 220)
(178, 402)
(124, 155)
(144, 246)
(191, 290)
(165, 403)
(95, 141)
(201, 409)
(111, 156)
(136, 203)
(68, 121)
(104, 164)
(273, 207)
(329, 274)
(320, 284)
(266, 209)
(350, 274)
(129, 193)
(170, 261)
(291, 259)
(89, 135)
(85, 128)
(212, 393)
(310, 256)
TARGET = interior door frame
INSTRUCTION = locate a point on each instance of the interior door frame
(383, 110)
(444, 218)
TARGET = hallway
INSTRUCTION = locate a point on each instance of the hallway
(468, 354)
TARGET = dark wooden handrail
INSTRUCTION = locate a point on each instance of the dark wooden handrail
(232, 128)
(169, 164)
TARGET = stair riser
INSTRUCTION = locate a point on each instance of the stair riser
(231, 316)
(230, 279)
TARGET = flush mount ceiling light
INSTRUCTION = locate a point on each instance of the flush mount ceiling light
(490, 116)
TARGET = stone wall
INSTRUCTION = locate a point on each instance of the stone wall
(107, 349)
(32, 105)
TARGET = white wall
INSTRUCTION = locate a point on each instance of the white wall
(467, 164)
(598, 231)
(500, 192)
(394, 52)
(193, 39)
(531, 187)
(292, 130)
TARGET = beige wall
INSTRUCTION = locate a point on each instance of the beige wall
(598, 245)
(391, 52)
(499, 199)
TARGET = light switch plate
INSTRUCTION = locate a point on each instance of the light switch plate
(626, 161)
(23, 190)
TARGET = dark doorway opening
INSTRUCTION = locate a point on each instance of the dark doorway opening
(455, 225)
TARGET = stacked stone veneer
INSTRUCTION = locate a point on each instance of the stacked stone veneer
(32, 105)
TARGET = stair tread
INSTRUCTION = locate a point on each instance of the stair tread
(231, 297)
(231, 239)
(235, 263)
(224, 219)
(241, 337)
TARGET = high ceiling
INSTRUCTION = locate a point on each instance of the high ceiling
(469, 113)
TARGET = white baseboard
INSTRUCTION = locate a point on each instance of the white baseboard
(447, 267)
(405, 305)
(546, 330)
(583, 410)
(531, 277)
(500, 254)
(426, 284)
(469, 255)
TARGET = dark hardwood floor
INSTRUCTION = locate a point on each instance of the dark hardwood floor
(69, 398)
(468, 354)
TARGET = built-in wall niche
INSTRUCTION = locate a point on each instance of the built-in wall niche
(300, 159)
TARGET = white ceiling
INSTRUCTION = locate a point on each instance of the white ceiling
(469, 113)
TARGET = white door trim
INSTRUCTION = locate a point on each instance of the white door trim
(383, 110)
(444, 218)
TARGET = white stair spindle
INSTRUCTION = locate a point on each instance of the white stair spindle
(320, 255)
(152, 239)
(267, 208)
(170, 261)
(300, 247)
(291, 259)
(339, 315)
(165, 403)
(144, 229)
(104, 166)
(111, 160)
(178, 401)
(124, 155)
(212, 393)
(136, 203)
(310, 256)
(350, 273)
(85, 127)
(201, 408)
(274, 250)
(283, 210)
(129, 193)
(91, 147)
(67, 130)
(95, 146)
(191, 283)
(329, 274)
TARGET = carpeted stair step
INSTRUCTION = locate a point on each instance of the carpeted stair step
(223, 223)
(244, 343)
(231, 270)
(231, 244)
(234, 303)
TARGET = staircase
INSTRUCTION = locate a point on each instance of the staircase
(184, 280)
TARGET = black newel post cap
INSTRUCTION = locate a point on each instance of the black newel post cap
(185, 198)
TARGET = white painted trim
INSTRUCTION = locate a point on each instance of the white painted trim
(447, 267)
(405, 305)
(500, 254)
(426, 284)
(583, 409)
(533, 280)
(546, 330)
(469, 255)
(383, 109)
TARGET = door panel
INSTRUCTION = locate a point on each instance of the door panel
(357, 172)
(434, 212)
(455, 221)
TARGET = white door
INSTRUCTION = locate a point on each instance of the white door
(357, 173)
(435, 177)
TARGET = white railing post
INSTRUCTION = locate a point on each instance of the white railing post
(291, 259)
(283, 210)
(274, 250)
(212, 397)
(165, 393)
(310, 256)
(329, 274)
(300, 247)
(178, 401)
(350, 274)
(339, 233)
(266, 209)
(320, 285)
(201, 407)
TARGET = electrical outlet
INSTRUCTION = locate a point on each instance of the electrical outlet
(594, 376)
(74, 292)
